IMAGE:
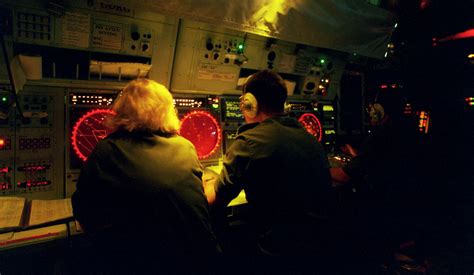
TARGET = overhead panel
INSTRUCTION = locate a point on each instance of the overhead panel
(206, 60)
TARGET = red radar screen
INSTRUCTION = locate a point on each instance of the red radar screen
(203, 130)
(312, 125)
(88, 130)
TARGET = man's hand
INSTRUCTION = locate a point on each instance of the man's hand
(348, 149)
(209, 180)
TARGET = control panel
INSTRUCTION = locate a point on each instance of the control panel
(207, 59)
(31, 143)
(87, 110)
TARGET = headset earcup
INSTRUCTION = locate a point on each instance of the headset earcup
(249, 105)
(377, 113)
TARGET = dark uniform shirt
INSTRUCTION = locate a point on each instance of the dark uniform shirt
(388, 182)
(144, 190)
(285, 174)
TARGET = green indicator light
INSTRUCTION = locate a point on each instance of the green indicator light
(240, 48)
(215, 105)
(4, 98)
(322, 61)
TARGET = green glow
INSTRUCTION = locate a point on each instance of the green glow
(322, 61)
(4, 98)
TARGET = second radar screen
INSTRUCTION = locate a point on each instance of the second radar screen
(88, 130)
(203, 130)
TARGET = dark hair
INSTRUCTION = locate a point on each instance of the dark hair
(269, 89)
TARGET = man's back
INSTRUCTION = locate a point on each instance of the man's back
(289, 168)
(285, 174)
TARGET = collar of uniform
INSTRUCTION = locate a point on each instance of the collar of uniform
(282, 119)
(246, 127)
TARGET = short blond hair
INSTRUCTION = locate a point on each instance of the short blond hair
(146, 105)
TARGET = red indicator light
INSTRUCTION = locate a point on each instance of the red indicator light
(384, 86)
(88, 130)
(2, 142)
(312, 125)
(203, 130)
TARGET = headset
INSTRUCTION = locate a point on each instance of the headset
(248, 102)
(376, 113)
(249, 105)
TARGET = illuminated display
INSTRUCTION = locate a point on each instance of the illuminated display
(470, 101)
(88, 130)
(34, 168)
(232, 110)
(328, 108)
(91, 99)
(33, 183)
(188, 102)
(203, 130)
(312, 125)
(424, 121)
(5, 144)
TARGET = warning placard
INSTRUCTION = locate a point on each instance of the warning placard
(107, 36)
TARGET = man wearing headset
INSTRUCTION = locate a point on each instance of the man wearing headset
(283, 170)
(384, 171)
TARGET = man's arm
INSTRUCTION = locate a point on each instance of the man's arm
(222, 188)
(209, 181)
(339, 175)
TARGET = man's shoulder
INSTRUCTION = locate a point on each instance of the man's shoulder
(246, 127)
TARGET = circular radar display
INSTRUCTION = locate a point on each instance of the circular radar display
(312, 125)
(203, 130)
(88, 130)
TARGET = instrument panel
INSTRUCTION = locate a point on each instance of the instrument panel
(38, 160)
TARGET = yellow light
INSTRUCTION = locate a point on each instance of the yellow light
(470, 56)
(328, 108)
(269, 14)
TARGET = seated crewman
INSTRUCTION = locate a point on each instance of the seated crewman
(283, 170)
